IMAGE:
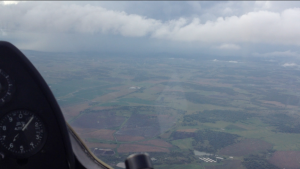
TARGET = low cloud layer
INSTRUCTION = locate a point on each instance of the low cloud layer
(215, 28)
(278, 54)
(228, 46)
(255, 27)
(231, 61)
(56, 18)
(289, 65)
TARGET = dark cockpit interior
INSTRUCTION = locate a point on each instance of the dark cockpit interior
(32, 129)
(33, 132)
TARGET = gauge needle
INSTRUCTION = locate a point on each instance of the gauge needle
(15, 137)
(28, 123)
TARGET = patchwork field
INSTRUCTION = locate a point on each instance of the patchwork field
(246, 147)
(129, 138)
(132, 148)
(286, 159)
(105, 119)
(159, 143)
(244, 111)
(100, 145)
(103, 134)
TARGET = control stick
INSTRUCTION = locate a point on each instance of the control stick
(138, 161)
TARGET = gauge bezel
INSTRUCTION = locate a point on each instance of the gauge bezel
(11, 89)
(35, 150)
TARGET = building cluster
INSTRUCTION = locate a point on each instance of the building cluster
(208, 160)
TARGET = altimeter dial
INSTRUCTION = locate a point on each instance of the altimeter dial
(22, 133)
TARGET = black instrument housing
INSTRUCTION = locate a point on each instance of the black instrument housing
(32, 93)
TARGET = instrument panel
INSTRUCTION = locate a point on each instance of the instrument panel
(33, 132)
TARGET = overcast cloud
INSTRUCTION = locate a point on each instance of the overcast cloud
(231, 26)
(278, 53)
(229, 46)
(289, 65)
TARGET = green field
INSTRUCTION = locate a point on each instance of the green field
(183, 143)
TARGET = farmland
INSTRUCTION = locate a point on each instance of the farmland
(245, 147)
(286, 159)
(244, 112)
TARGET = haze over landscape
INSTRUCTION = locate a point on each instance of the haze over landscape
(195, 84)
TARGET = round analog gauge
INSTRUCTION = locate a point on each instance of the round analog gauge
(22, 133)
(6, 87)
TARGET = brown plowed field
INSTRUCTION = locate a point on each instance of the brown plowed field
(100, 145)
(160, 143)
(74, 110)
(128, 148)
(129, 138)
(286, 159)
(100, 134)
(245, 147)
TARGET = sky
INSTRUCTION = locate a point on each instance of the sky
(238, 28)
